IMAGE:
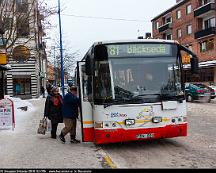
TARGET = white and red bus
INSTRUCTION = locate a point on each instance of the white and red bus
(133, 90)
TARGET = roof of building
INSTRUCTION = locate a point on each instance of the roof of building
(180, 3)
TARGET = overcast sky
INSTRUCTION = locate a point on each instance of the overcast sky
(82, 22)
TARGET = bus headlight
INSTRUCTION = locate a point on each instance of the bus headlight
(129, 122)
(157, 119)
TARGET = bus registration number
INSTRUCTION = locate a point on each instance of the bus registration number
(145, 136)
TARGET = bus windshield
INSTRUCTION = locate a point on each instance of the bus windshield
(138, 79)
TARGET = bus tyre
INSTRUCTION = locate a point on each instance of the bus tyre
(189, 98)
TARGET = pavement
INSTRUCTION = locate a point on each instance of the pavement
(24, 148)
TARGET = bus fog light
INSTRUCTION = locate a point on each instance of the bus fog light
(114, 125)
(98, 124)
(157, 119)
(106, 124)
(129, 122)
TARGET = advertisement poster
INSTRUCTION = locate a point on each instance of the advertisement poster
(6, 114)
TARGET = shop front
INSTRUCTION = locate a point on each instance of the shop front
(22, 86)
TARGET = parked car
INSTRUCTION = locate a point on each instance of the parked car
(213, 89)
(197, 92)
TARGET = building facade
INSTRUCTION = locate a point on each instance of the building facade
(192, 23)
(26, 53)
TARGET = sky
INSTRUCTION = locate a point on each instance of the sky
(87, 21)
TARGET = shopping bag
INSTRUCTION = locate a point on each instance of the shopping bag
(42, 126)
(49, 125)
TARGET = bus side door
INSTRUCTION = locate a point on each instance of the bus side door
(87, 123)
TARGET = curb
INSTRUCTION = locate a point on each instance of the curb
(106, 160)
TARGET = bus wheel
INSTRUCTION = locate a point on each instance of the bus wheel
(189, 98)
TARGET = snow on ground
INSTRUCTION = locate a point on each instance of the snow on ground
(19, 114)
(24, 148)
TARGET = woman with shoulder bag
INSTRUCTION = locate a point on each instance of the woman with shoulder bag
(53, 110)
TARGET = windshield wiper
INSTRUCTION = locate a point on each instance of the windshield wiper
(141, 95)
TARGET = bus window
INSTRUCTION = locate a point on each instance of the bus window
(86, 84)
(102, 81)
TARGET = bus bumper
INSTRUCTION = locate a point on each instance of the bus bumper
(122, 135)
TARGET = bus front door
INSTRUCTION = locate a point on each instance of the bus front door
(85, 94)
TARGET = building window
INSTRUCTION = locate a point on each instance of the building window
(22, 6)
(207, 45)
(204, 2)
(179, 33)
(189, 29)
(156, 25)
(22, 85)
(190, 47)
(209, 23)
(168, 20)
(207, 75)
(169, 36)
(188, 9)
(23, 29)
(178, 14)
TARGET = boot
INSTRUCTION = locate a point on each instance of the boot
(74, 140)
(61, 137)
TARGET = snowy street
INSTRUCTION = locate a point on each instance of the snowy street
(24, 148)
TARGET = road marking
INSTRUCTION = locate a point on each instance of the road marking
(106, 160)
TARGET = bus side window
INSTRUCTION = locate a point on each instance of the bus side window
(87, 89)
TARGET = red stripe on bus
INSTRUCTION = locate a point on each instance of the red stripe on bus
(121, 135)
(88, 135)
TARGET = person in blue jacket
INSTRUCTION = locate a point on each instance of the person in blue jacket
(71, 103)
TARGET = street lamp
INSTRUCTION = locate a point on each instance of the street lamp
(61, 49)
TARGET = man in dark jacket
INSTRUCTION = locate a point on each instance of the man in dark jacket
(71, 103)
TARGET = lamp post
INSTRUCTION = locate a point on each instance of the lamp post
(61, 49)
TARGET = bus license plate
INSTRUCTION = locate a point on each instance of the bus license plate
(145, 136)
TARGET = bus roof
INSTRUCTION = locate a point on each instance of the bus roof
(136, 41)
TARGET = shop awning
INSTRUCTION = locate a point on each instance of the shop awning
(5, 67)
(203, 64)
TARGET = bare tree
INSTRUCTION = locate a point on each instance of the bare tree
(20, 19)
(70, 57)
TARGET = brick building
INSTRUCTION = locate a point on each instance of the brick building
(192, 23)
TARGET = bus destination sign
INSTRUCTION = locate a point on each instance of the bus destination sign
(125, 50)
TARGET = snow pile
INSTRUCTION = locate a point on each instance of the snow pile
(18, 103)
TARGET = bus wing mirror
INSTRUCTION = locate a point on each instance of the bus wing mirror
(194, 65)
(100, 53)
(89, 66)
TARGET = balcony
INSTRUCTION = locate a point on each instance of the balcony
(165, 27)
(205, 32)
(204, 10)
